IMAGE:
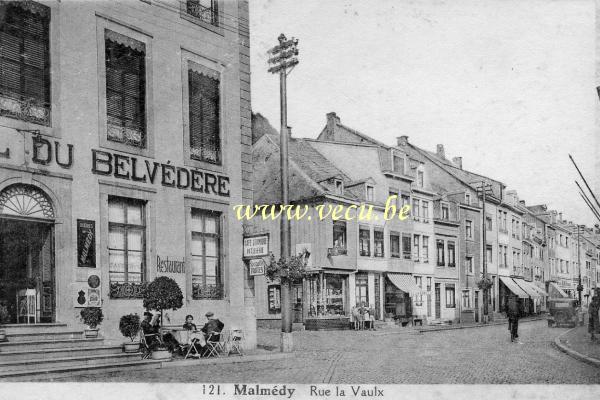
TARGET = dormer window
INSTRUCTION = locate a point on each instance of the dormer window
(339, 186)
(370, 193)
(445, 211)
(398, 163)
(468, 198)
(420, 178)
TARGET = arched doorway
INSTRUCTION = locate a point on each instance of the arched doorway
(26, 255)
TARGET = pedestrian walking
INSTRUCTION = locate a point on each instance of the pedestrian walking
(593, 318)
(513, 318)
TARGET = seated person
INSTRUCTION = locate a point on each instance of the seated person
(212, 325)
(150, 330)
(194, 335)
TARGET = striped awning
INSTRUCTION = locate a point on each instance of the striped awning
(555, 291)
(526, 286)
(513, 287)
(404, 282)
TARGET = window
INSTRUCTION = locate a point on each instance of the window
(398, 164)
(420, 180)
(395, 244)
(405, 200)
(466, 299)
(469, 229)
(425, 205)
(468, 198)
(370, 195)
(451, 254)
(440, 253)
(488, 223)
(445, 212)
(126, 240)
(362, 289)
(25, 61)
(125, 89)
(567, 266)
(425, 249)
(429, 284)
(204, 111)
(378, 238)
(206, 252)
(205, 10)
(406, 250)
(488, 253)
(396, 202)
(364, 241)
(415, 208)
(469, 265)
(450, 296)
(419, 296)
(416, 239)
(339, 235)
(339, 187)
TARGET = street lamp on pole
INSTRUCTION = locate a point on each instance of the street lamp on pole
(283, 57)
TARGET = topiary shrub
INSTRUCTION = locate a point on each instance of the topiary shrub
(163, 293)
(129, 325)
(92, 316)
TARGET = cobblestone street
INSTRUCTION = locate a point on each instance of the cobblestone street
(479, 355)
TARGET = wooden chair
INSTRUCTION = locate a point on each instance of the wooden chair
(235, 341)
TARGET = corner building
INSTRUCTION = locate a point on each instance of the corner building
(125, 137)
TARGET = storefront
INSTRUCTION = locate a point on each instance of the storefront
(326, 300)
(400, 292)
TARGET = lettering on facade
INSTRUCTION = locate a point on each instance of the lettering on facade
(133, 169)
(256, 246)
(86, 243)
(257, 267)
(169, 266)
(43, 154)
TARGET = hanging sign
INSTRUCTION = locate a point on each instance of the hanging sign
(256, 246)
(257, 267)
(86, 243)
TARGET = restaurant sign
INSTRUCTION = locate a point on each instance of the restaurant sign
(256, 246)
(257, 267)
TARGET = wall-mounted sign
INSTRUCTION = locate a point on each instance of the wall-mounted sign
(256, 246)
(257, 267)
(88, 293)
(274, 296)
(86, 243)
(169, 266)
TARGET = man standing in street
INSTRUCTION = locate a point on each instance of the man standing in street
(593, 317)
(513, 318)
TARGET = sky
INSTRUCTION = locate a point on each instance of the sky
(508, 85)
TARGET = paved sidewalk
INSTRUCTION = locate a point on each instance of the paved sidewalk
(576, 342)
(435, 328)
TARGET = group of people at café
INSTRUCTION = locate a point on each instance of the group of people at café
(197, 338)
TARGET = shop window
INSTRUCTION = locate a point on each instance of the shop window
(206, 254)
(365, 242)
(395, 244)
(126, 240)
(469, 229)
(274, 298)
(378, 238)
(466, 299)
(204, 114)
(25, 61)
(125, 89)
(362, 290)
(339, 236)
(451, 255)
(441, 259)
(450, 296)
(406, 246)
(425, 249)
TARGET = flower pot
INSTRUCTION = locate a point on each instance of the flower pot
(160, 354)
(2, 335)
(90, 333)
(131, 347)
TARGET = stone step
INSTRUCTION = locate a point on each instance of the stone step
(44, 336)
(65, 362)
(48, 344)
(28, 354)
(48, 374)
(12, 329)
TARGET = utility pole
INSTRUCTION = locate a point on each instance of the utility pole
(283, 57)
(484, 188)
(579, 286)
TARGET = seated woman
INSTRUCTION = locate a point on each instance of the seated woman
(194, 335)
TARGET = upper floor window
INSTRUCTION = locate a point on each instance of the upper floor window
(416, 241)
(440, 253)
(406, 246)
(370, 193)
(25, 61)
(206, 240)
(339, 235)
(339, 187)
(126, 240)
(204, 111)
(205, 10)
(378, 239)
(405, 200)
(451, 254)
(364, 241)
(415, 207)
(395, 244)
(488, 253)
(445, 212)
(468, 198)
(398, 163)
(488, 223)
(425, 249)
(469, 229)
(469, 264)
(425, 205)
(420, 178)
(125, 60)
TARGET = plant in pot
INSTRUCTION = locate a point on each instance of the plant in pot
(163, 293)
(4, 319)
(129, 325)
(92, 317)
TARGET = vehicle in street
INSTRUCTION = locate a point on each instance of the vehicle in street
(563, 312)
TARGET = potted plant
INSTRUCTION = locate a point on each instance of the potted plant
(4, 319)
(129, 325)
(163, 293)
(91, 316)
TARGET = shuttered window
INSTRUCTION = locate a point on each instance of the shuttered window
(25, 61)
(205, 142)
(125, 89)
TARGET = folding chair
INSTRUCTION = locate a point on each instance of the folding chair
(235, 341)
(214, 344)
(146, 350)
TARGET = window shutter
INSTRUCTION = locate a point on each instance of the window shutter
(204, 117)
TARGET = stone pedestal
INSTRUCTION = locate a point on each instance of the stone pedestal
(287, 342)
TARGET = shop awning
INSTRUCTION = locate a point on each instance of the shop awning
(513, 287)
(526, 286)
(555, 291)
(404, 282)
(541, 291)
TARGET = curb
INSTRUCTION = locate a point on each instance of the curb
(476, 326)
(228, 360)
(575, 354)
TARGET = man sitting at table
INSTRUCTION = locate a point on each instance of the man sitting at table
(212, 325)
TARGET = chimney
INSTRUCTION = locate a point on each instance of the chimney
(332, 121)
(440, 151)
(457, 161)
(559, 217)
(402, 140)
(522, 202)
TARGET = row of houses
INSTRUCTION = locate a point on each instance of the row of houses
(429, 266)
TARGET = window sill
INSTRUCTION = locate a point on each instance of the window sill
(21, 125)
(197, 21)
(203, 165)
(125, 148)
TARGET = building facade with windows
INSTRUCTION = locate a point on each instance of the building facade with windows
(125, 137)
